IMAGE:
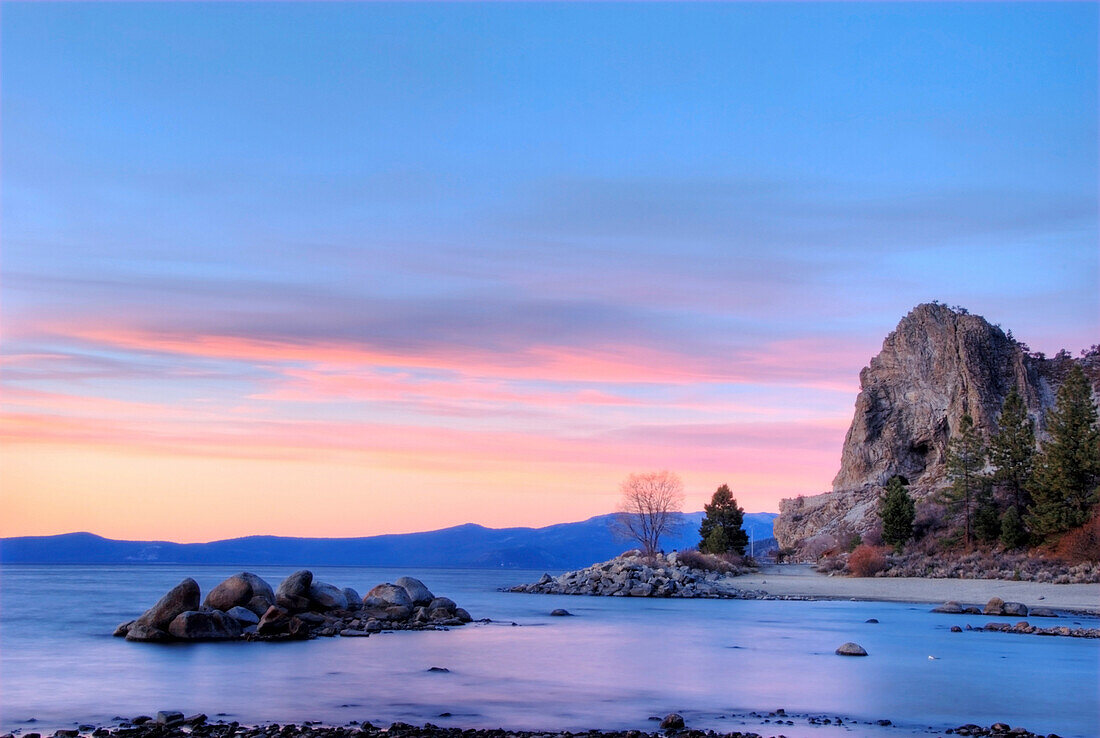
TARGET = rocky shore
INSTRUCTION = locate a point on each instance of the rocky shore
(633, 575)
(244, 606)
(174, 725)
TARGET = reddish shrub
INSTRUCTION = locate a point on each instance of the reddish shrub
(866, 561)
(1081, 544)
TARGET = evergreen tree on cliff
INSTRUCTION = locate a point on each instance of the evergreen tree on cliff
(896, 509)
(965, 461)
(1012, 451)
(724, 514)
(1067, 470)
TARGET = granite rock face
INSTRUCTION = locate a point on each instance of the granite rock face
(938, 365)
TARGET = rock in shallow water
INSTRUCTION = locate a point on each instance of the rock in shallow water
(851, 649)
(673, 721)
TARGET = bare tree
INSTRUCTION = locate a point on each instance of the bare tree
(650, 508)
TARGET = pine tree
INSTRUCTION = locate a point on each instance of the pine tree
(716, 541)
(965, 460)
(1067, 470)
(987, 517)
(1013, 533)
(897, 510)
(723, 512)
(1012, 450)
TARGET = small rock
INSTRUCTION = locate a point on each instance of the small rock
(673, 721)
(995, 606)
(871, 620)
(440, 669)
(167, 717)
(851, 649)
(560, 613)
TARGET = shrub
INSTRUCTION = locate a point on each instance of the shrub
(721, 563)
(1081, 544)
(831, 563)
(866, 561)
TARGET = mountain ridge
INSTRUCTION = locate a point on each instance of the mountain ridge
(469, 545)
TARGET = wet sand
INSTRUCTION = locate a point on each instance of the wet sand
(802, 580)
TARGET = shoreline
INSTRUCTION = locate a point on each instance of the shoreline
(800, 580)
(774, 724)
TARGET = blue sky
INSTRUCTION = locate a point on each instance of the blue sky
(701, 218)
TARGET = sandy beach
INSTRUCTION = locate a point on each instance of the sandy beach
(801, 579)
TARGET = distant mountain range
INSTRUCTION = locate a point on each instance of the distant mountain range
(563, 546)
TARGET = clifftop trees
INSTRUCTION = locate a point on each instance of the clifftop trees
(720, 531)
(1067, 470)
(650, 508)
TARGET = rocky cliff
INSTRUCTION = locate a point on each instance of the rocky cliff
(936, 366)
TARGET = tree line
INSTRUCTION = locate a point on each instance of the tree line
(1007, 488)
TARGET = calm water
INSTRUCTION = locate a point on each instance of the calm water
(617, 663)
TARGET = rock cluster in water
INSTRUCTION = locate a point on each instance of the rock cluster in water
(995, 606)
(245, 606)
(632, 575)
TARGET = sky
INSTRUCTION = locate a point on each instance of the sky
(349, 269)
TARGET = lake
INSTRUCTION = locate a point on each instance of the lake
(613, 666)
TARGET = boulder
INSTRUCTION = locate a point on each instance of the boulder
(851, 649)
(260, 587)
(204, 626)
(169, 717)
(123, 629)
(327, 597)
(951, 607)
(995, 606)
(275, 621)
(353, 598)
(385, 595)
(398, 612)
(462, 615)
(1042, 612)
(418, 593)
(243, 615)
(181, 598)
(351, 633)
(298, 629)
(442, 603)
(672, 721)
(1018, 609)
(235, 591)
(146, 634)
(560, 613)
(259, 604)
(293, 592)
